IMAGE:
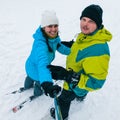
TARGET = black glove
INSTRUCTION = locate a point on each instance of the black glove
(60, 73)
(50, 89)
(68, 44)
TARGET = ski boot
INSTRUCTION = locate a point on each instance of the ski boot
(52, 113)
(81, 98)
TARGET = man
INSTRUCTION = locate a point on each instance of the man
(87, 64)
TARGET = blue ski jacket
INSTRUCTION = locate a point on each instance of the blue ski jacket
(40, 56)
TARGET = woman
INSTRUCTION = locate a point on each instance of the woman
(46, 42)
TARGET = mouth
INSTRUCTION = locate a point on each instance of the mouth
(53, 33)
(85, 28)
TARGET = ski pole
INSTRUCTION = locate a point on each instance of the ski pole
(58, 115)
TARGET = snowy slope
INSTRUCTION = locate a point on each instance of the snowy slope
(18, 21)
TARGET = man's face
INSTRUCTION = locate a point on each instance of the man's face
(87, 25)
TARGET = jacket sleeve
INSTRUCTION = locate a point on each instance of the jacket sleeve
(42, 60)
(63, 49)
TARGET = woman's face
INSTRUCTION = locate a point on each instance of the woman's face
(51, 30)
(87, 25)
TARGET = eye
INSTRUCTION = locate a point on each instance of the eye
(83, 19)
(91, 21)
(55, 25)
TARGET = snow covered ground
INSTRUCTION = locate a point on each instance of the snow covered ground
(18, 21)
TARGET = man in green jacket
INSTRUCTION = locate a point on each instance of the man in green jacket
(87, 64)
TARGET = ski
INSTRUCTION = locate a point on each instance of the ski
(21, 105)
(20, 90)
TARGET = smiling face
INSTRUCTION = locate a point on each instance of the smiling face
(51, 30)
(87, 25)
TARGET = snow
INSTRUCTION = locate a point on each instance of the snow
(18, 21)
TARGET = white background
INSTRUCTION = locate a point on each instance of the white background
(18, 21)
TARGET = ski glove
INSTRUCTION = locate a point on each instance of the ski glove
(68, 44)
(50, 89)
(60, 73)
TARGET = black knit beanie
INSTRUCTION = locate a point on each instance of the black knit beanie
(94, 12)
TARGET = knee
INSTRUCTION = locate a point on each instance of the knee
(67, 96)
(28, 83)
(37, 89)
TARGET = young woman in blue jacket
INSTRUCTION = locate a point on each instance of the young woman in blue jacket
(46, 43)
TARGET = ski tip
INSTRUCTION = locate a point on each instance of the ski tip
(15, 109)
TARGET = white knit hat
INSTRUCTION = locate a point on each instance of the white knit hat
(49, 18)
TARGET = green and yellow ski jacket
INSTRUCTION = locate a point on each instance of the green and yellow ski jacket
(89, 57)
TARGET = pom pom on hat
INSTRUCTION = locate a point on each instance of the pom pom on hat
(49, 18)
(94, 12)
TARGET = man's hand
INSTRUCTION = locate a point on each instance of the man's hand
(60, 73)
(68, 43)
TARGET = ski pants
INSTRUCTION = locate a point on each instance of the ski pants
(29, 83)
(64, 101)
